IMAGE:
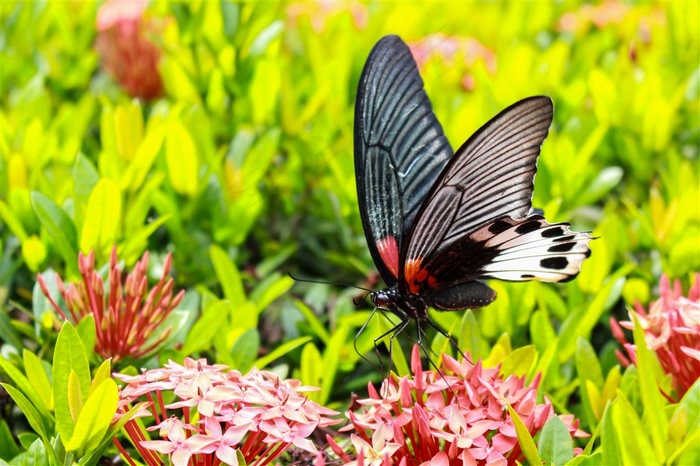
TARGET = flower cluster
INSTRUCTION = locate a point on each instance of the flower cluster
(453, 417)
(672, 330)
(125, 48)
(455, 51)
(219, 417)
(126, 318)
(319, 12)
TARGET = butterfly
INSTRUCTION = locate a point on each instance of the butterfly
(438, 222)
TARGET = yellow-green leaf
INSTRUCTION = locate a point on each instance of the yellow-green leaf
(181, 158)
(95, 417)
(102, 218)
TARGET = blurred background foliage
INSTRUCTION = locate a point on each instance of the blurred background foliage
(222, 132)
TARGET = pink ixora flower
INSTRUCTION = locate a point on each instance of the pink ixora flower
(454, 417)
(125, 318)
(672, 330)
(458, 51)
(125, 46)
(256, 416)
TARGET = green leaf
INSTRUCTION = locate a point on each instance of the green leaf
(590, 377)
(87, 333)
(606, 180)
(656, 421)
(27, 390)
(60, 227)
(519, 362)
(85, 178)
(102, 218)
(581, 323)
(541, 330)
(135, 243)
(630, 435)
(75, 396)
(316, 325)
(311, 368)
(37, 377)
(470, 335)
(33, 417)
(331, 357)
(106, 440)
(38, 453)
(103, 373)
(69, 357)
(9, 448)
(228, 275)
(213, 319)
(280, 351)
(95, 417)
(556, 446)
(610, 450)
(269, 290)
(245, 349)
(524, 438)
(544, 362)
(181, 158)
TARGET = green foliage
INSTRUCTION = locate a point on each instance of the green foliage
(71, 413)
(243, 168)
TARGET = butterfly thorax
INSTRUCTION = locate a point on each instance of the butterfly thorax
(403, 305)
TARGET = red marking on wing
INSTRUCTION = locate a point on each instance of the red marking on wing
(413, 273)
(417, 277)
(389, 252)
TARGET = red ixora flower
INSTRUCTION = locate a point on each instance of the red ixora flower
(128, 316)
(671, 329)
(218, 416)
(458, 417)
(124, 45)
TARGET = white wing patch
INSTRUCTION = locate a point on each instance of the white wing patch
(533, 249)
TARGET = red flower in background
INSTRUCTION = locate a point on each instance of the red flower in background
(671, 329)
(126, 51)
(129, 315)
(455, 418)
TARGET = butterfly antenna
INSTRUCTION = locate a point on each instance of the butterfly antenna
(357, 336)
(309, 280)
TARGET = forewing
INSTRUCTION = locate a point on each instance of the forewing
(491, 177)
(400, 150)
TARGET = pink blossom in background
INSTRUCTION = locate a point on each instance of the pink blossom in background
(455, 418)
(125, 47)
(318, 12)
(672, 330)
(459, 51)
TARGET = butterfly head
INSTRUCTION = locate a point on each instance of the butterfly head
(405, 306)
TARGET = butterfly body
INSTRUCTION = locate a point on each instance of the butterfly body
(438, 222)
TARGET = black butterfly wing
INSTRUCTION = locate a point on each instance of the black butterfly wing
(400, 150)
(476, 223)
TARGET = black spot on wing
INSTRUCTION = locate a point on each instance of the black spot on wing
(527, 275)
(555, 263)
(588, 253)
(568, 278)
(552, 232)
(527, 227)
(499, 226)
(564, 247)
